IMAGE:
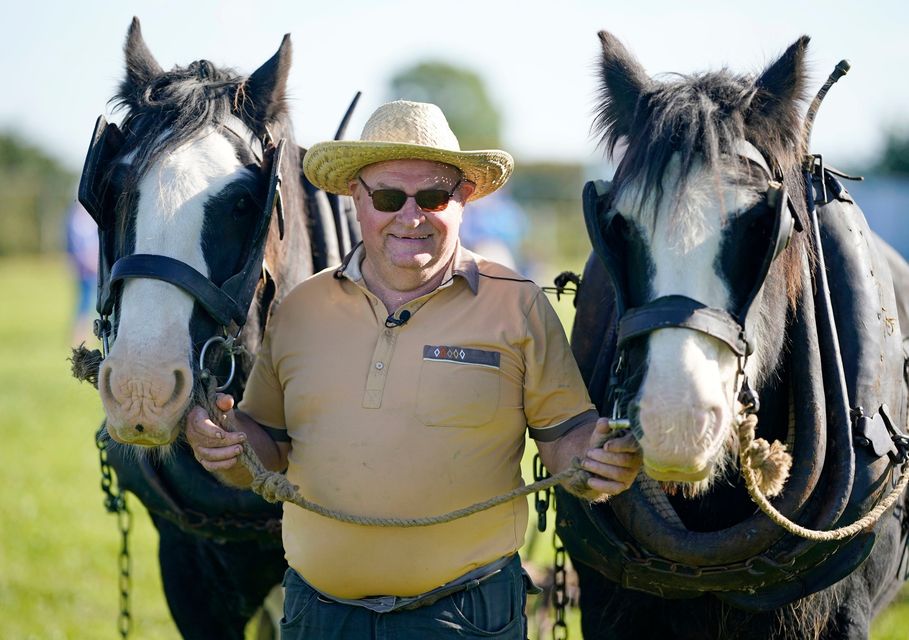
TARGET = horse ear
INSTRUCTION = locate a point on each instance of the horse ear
(624, 81)
(267, 86)
(141, 65)
(782, 84)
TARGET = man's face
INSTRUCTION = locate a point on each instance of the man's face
(409, 244)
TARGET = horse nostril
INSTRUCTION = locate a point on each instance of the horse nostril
(140, 428)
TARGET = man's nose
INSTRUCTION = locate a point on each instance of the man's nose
(410, 214)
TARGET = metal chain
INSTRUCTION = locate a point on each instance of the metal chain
(541, 499)
(559, 590)
(115, 502)
(542, 502)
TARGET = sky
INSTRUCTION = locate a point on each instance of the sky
(61, 60)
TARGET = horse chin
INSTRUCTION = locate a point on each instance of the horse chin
(677, 475)
(148, 437)
(695, 482)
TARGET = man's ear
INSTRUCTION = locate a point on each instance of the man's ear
(467, 188)
(353, 186)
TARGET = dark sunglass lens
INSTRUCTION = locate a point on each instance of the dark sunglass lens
(432, 199)
(388, 200)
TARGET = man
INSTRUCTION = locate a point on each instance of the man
(401, 384)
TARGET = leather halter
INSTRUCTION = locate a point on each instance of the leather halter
(678, 311)
(228, 304)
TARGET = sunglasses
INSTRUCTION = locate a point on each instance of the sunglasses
(391, 200)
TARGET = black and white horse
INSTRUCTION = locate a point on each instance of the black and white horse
(715, 279)
(205, 225)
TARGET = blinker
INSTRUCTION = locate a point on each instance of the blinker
(95, 193)
(225, 304)
(674, 310)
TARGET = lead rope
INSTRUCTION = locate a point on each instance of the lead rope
(753, 455)
(275, 487)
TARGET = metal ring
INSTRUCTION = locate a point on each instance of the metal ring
(228, 342)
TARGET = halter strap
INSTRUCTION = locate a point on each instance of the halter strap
(682, 312)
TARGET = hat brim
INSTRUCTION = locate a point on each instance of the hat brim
(331, 166)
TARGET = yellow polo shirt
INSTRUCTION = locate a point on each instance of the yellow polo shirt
(411, 421)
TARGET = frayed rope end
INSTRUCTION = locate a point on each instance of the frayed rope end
(86, 364)
(771, 464)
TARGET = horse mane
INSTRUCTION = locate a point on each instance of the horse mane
(173, 106)
(700, 117)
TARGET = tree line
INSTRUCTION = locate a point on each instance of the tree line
(36, 189)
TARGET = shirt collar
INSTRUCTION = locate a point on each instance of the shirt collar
(463, 265)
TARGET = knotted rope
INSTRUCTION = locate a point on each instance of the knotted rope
(85, 364)
(764, 467)
(761, 467)
(275, 487)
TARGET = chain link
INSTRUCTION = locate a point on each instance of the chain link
(115, 502)
(541, 499)
(559, 590)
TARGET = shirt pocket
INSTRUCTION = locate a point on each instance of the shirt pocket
(459, 386)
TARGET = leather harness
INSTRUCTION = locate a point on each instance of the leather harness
(838, 387)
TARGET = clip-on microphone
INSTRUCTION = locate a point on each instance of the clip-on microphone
(400, 321)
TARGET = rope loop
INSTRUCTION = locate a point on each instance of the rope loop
(752, 455)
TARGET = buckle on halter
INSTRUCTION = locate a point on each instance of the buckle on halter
(814, 165)
(748, 397)
(101, 327)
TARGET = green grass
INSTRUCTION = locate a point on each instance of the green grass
(58, 547)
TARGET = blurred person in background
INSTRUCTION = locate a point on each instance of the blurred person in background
(495, 227)
(82, 249)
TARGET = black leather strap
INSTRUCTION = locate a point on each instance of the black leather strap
(221, 306)
(685, 313)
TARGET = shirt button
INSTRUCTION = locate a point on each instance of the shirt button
(380, 366)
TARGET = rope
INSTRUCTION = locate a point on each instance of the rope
(747, 426)
(764, 468)
(275, 487)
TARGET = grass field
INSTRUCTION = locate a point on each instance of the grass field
(58, 547)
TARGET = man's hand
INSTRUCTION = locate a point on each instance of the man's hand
(615, 464)
(215, 448)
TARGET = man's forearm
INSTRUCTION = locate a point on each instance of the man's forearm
(558, 454)
(612, 465)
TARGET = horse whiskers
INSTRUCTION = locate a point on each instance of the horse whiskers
(724, 465)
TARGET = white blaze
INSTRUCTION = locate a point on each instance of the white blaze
(686, 396)
(147, 378)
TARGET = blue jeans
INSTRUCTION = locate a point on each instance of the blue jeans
(494, 608)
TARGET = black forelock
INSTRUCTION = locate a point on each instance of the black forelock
(699, 117)
(173, 106)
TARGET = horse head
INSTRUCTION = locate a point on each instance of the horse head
(698, 225)
(188, 196)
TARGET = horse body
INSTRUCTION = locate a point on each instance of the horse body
(706, 277)
(190, 176)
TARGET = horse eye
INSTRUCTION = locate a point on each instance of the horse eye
(242, 206)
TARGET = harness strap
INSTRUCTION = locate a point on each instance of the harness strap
(216, 302)
(677, 311)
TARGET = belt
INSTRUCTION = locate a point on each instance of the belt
(431, 597)
(387, 604)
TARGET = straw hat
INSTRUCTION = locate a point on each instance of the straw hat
(403, 130)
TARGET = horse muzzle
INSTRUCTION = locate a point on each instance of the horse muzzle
(144, 406)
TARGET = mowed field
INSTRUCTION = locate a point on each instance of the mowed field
(58, 547)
